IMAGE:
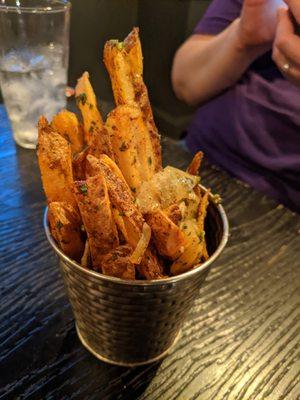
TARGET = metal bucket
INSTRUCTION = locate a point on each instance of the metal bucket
(132, 323)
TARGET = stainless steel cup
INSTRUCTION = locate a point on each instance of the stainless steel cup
(132, 323)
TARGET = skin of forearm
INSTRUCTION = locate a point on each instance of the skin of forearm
(206, 65)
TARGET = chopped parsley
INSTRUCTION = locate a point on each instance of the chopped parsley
(201, 236)
(59, 225)
(81, 98)
(84, 189)
(133, 189)
(120, 45)
(149, 160)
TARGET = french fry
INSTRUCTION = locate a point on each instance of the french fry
(124, 63)
(117, 263)
(192, 251)
(195, 249)
(131, 145)
(85, 259)
(55, 162)
(132, 220)
(120, 196)
(167, 236)
(150, 267)
(95, 208)
(119, 220)
(202, 211)
(96, 133)
(134, 55)
(67, 125)
(132, 45)
(124, 147)
(195, 164)
(114, 57)
(78, 163)
(65, 225)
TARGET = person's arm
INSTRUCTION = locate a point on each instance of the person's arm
(286, 47)
(206, 65)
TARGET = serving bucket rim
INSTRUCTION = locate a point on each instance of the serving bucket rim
(154, 282)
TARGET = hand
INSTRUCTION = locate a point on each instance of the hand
(286, 47)
(257, 24)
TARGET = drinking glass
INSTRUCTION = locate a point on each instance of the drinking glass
(34, 53)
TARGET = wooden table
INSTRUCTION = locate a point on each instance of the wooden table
(241, 339)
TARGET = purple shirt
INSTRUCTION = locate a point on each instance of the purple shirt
(252, 129)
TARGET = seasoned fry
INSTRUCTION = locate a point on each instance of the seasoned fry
(124, 63)
(202, 211)
(124, 146)
(195, 164)
(117, 263)
(132, 220)
(78, 164)
(65, 223)
(67, 125)
(87, 103)
(85, 259)
(93, 168)
(114, 57)
(120, 196)
(134, 55)
(119, 220)
(131, 145)
(55, 162)
(150, 267)
(96, 133)
(95, 208)
(195, 249)
(192, 250)
(168, 238)
(132, 45)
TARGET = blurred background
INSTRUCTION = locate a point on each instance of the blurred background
(164, 25)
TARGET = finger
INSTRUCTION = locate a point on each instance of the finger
(279, 59)
(285, 39)
(294, 6)
(288, 70)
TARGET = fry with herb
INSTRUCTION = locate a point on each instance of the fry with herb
(96, 135)
(65, 224)
(55, 162)
(95, 209)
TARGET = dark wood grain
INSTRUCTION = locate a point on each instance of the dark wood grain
(241, 340)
